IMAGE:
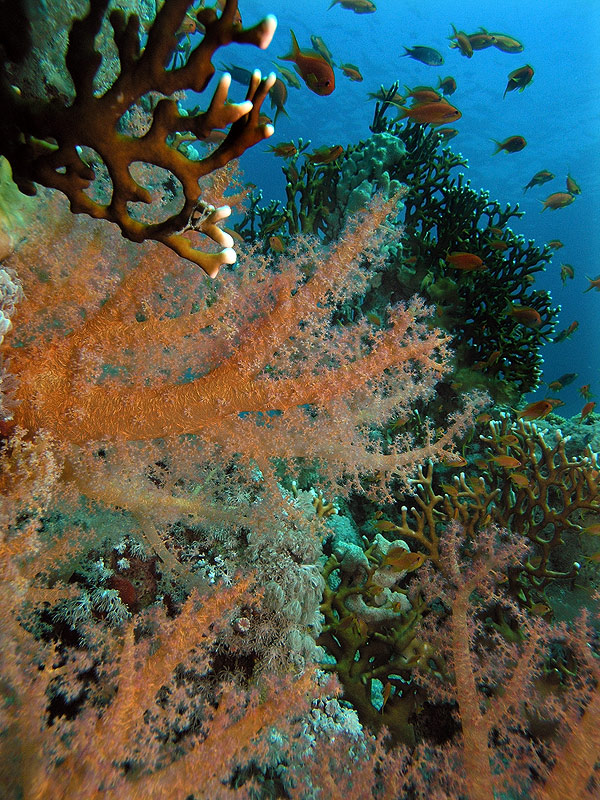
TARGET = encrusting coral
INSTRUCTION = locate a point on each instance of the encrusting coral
(56, 145)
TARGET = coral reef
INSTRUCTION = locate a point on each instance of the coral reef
(56, 144)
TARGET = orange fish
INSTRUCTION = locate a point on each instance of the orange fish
(465, 261)
(276, 244)
(526, 315)
(519, 479)
(536, 410)
(566, 271)
(511, 145)
(445, 134)
(558, 200)
(325, 155)
(498, 244)
(352, 72)
(539, 178)
(555, 244)
(594, 284)
(435, 113)
(591, 530)
(314, 70)
(506, 461)
(481, 41)
(454, 461)
(587, 409)
(584, 391)
(519, 79)
(461, 41)
(506, 43)
(278, 94)
(447, 85)
(284, 149)
(358, 6)
(424, 94)
(572, 186)
(401, 560)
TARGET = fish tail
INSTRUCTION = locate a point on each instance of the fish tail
(403, 113)
(590, 287)
(407, 53)
(333, 3)
(294, 52)
(498, 146)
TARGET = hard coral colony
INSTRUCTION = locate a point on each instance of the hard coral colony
(184, 615)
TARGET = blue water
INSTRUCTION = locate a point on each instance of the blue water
(558, 114)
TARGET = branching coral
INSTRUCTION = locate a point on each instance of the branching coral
(43, 140)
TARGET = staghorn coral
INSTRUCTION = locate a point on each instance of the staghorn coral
(55, 144)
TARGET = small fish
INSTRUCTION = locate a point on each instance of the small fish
(591, 530)
(481, 40)
(572, 186)
(314, 70)
(445, 134)
(555, 244)
(519, 79)
(540, 609)
(584, 391)
(358, 6)
(238, 74)
(567, 379)
(325, 155)
(587, 409)
(594, 284)
(426, 55)
(423, 94)
(566, 333)
(498, 244)
(387, 690)
(437, 113)
(385, 525)
(508, 462)
(566, 271)
(455, 461)
(519, 479)
(526, 315)
(507, 44)
(461, 41)
(539, 178)
(401, 560)
(352, 72)
(278, 95)
(284, 149)
(511, 145)
(555, 386)
(447, 85)
(536, 410)
(321, 48)
(381, 96)
(374, 318)
(290, 78)
(557, 200)
(276, 244)
(465, 261)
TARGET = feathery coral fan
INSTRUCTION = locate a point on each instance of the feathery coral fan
(255, 367)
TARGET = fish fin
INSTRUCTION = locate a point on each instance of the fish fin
(498, 146)
(408, 52)
(293, 55)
